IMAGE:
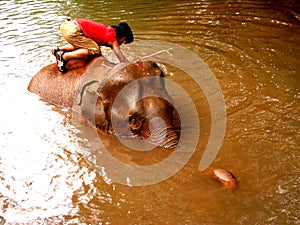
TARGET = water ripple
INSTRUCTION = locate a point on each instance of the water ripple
(252, 48)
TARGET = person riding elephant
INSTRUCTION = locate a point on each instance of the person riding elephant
(85, 38)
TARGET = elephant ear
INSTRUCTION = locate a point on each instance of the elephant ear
(85, 88)
(92, 106)
(156, 69)
(161, 69)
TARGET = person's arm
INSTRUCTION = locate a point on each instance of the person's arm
(116, 48)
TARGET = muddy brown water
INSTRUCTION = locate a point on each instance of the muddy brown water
(48, 166)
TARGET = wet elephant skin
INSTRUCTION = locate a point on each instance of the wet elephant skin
(145, 112)
(134, 118)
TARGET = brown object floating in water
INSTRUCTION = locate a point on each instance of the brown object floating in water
(226, 178)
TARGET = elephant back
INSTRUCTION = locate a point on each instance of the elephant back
(60, 89)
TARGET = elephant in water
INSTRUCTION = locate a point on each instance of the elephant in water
(130, 100)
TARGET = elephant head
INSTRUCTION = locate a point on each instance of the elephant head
(132, 102)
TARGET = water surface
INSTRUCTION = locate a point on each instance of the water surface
(252, 49)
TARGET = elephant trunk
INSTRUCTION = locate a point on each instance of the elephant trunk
(171, 139)
(162, 134)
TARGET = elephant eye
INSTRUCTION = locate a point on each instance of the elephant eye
(133, 120)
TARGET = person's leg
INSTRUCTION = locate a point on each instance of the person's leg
(68, 48)
(80, 53)
(79, 46)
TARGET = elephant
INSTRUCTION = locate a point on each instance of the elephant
(130, 100)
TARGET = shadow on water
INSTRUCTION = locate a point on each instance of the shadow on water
(252, 48)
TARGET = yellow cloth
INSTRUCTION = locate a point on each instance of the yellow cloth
(73, 34)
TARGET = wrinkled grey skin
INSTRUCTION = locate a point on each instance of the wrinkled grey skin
(132, 102)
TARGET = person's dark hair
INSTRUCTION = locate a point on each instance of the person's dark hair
(123, 30)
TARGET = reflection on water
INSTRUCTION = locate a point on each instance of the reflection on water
(251, 47)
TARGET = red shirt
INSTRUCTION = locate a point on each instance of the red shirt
(100, 33)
